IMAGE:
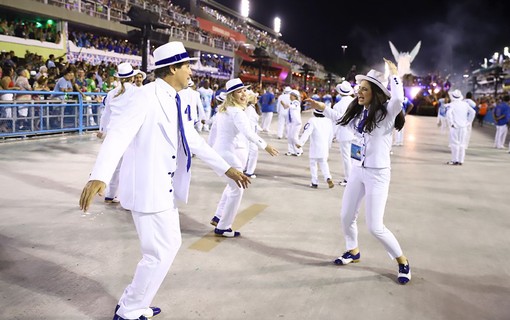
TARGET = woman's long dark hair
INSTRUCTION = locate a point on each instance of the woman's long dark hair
(379, 103)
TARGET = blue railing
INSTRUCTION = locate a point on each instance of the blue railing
(48, 112)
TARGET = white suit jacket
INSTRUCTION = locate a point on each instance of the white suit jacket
(283, 98)
(234, 131)
(343, 133)
(376, 146)
(113, 106)
(195, 112)
(460, 114)
(153, 171)
(320, 132)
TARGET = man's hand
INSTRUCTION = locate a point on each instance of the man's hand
(316, 104)
(240, 179)
(271, 150)
(92, 188)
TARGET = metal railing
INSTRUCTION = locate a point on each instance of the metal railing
(48, 112)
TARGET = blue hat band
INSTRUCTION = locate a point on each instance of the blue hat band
(237, 86)
(126, 74)
(173, 59)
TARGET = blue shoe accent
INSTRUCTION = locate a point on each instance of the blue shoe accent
(116, 317)
(404, 273)
(155, 312)
(215, 220)
(228, 233)
(347, 258)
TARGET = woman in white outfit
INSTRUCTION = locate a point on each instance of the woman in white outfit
(374, 114)
(253, 112)
(113, 104)
(233, 131)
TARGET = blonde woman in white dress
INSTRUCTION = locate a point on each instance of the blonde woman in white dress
(234, 131)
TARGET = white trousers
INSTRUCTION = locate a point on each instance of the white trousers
(500, 138)
(293, 138)
(323, 165)
(399, 137)
(443, 123)
(282, 123)
(160, 239)
(345, 152)
(458, 144)
(469, 128)
(253, 156)
(232, 195)
(113, 187)
(373, 184)
(266, 119)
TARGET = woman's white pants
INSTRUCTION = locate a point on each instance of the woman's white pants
(373, 184)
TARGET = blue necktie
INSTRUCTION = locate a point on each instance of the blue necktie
(362, 122)
(181, 132)
(290, 116)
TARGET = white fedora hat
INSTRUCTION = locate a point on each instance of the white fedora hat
(124, 70)
(138, 71)
(221, 97)
(455, 95)
(169, 54)
(234, 84)
(344, 88)
(295, 93)
(287, 90)
(376, 78)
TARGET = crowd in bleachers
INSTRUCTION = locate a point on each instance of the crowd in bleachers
(29, 29)
(263, 39)
(93, 40)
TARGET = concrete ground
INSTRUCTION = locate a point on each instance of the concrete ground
(452, 222)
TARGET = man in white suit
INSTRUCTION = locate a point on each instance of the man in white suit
(344, 134)
(156, 150)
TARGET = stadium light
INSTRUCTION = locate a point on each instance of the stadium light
(277, 25)
(343, 48)
(245, 8)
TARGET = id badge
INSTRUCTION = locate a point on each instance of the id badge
(355, 152)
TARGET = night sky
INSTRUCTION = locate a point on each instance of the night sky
(455, 35)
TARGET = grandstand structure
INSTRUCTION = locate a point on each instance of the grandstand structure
(228, 45)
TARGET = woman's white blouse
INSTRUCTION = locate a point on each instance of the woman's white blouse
(376, 145)
(233, 131)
